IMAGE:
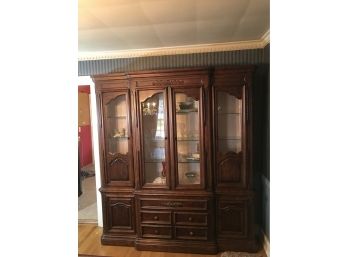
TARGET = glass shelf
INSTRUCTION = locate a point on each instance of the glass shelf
(187, 139)
(229, 139)
(229, 113)
(186, 111)
(154, 161)
(155, 139)
(119, 138)
(189, 161)
(117, 117)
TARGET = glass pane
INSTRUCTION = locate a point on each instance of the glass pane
(153, 129)
(188, 135)
(116, 126)
(229, 123)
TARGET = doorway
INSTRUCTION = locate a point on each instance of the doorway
(87, 199)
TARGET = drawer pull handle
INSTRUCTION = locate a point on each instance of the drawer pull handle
(155, 218)
(156, 232)
(191, 233)
(190, 219)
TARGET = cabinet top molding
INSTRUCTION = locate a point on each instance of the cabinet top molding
(170, 72)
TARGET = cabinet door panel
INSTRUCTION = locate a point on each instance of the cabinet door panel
(232, 218)
(117, 138)
(120, 215)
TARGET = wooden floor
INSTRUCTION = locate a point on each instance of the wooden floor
(89, 245)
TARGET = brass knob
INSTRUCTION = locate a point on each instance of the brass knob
(155, 218)
(156, 231)
(190, 218)
(191, 233)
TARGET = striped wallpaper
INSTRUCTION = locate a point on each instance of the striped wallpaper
(93, 67)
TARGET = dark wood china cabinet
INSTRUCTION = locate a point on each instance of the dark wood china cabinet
(175, 149)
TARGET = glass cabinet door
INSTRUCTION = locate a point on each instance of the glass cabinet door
(154, 139)
(229, 110)
(188, 144)
(116, 134)
(229, 137)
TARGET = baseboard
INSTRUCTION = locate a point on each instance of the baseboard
(266, 244)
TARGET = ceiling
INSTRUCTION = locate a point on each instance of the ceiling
(121, 27)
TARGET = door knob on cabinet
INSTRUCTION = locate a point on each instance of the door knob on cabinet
(156, 231)
(155, 218)
(191, 233)
(189, 218)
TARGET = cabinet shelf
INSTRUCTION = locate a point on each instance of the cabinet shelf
(189, 161)
(154, 139)
(187, 139)
(117, 117)
(230, 139)
(226, 113)
(155, 161)
(186, 111)
(119, 138)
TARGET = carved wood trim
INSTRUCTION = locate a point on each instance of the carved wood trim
(120, 204)
(168, 82)
(119, 158)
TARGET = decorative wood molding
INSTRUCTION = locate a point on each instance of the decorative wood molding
(188, 49)
(168, 82)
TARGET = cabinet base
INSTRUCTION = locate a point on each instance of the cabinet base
(176, 246)
(117, 240)
(239, 245)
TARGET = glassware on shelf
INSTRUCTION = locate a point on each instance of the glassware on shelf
(189, 177)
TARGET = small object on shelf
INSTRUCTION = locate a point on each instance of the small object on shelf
(190, 174)
(186, 105)
(159, 180)
(195, 155)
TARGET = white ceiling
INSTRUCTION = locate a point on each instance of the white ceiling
(126, 25)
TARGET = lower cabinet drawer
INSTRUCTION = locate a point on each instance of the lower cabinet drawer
(155, 217)
(187, 218)
(191, 233)
(174, 204)
(156, 232)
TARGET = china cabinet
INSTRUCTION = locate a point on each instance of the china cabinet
(175, 149)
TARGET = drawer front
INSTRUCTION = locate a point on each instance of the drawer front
(174, 204)
(155, 217)
(187, 218)
(191, 233)
(164, 232)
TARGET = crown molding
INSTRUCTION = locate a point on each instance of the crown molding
(188, 49)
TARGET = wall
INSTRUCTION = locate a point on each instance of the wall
(252, 56)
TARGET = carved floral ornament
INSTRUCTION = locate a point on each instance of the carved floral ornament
(168, 82)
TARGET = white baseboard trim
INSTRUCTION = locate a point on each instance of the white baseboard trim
(266, 244)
